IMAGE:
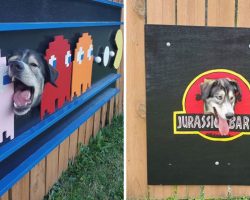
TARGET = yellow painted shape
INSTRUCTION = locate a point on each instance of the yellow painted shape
(119, 45)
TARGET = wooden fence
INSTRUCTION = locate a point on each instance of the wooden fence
(37, 183)
(223, 13)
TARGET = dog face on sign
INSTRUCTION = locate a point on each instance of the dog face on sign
(29, 71)
(220, 97)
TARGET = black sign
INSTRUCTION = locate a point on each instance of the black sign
(198, 105)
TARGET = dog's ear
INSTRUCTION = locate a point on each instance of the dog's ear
(51, 74)
(237, 90)
(206, 87)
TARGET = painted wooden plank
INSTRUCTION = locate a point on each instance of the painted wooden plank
(240, 191)
(104, 115)
(81, 134)
(243, 21)
(135, 99)
(111, 105)
(20, 191)
(243, 13)
(161, 12)
(193, 191)
(181, 191)
(5, 196)
(121, 94)
(117, 98)
(63, 156)
(73, 144)
(89, 129)
(161, 191)
(37, 181)
(97, 120)
(121, 84)
(52, 25)
(221, 13)
(191, 12)
(51, 169)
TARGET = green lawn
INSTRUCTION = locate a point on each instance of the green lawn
(97, 172)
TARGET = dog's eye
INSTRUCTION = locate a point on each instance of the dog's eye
(33, 65)
(219, 97)
(231, 98)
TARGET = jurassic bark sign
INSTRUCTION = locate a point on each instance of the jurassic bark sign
(198, 105)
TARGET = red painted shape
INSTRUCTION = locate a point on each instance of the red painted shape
(58, 49)
(197, 107)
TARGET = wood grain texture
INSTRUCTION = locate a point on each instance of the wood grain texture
(243, 13)
(73, 145)
(191, 12)
(20, 191)
(111, 105)
(161, 12)
(81, 134)
(97, 120)
(215, 191)
(182, 191)
(51, 168)
(243, 21)
(193, 191)
(121, 94)
(63, 156)
(117, 97)
(37, 181)
(240, 191)
(104, 115)
(161, 191)
(89, 129)
(135, 98)
(5, 196)
(221, 13)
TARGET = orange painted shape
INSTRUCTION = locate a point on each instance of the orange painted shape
(82, 65)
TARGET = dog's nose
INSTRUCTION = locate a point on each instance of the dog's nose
(229, 115)
(16, 65)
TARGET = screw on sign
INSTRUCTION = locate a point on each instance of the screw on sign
(82, 65)
(59, 56)
(6, 93)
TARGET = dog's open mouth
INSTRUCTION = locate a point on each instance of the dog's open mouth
(222, 124)
(23, 97)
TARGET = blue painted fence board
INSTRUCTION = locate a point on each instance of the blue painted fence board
(110, 3)
(53, 25)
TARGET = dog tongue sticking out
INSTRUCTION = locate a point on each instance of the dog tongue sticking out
(223, 126)
(22, 98)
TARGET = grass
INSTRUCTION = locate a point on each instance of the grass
(97, 172)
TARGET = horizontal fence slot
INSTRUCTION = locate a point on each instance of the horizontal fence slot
(56, 135)
(109, 3)
(36, 130)
(53, 25)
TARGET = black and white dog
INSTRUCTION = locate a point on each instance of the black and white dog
(220, 97)
(29, 72)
